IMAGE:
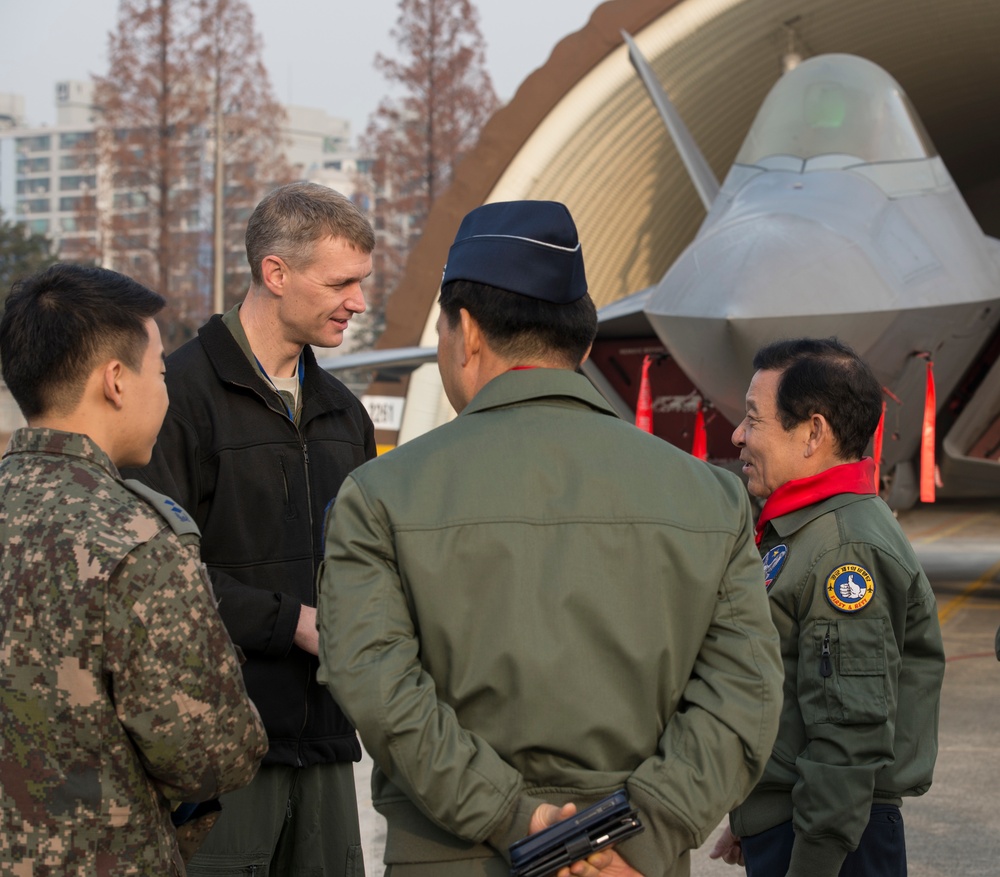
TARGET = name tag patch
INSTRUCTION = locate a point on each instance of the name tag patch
(850, 588)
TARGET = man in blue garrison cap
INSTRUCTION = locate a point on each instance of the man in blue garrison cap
(537, 604)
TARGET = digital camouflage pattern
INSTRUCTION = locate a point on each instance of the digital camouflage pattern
(120, 691)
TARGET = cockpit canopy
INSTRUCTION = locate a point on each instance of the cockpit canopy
(837, 105)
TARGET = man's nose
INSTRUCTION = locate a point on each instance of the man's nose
(356, 300)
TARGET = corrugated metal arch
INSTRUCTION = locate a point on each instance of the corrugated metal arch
(582, 130)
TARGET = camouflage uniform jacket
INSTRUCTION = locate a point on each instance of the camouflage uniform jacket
(120, 691)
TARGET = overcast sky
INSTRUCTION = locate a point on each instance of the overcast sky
(319, 52)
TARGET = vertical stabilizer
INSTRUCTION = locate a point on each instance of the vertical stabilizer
(701, 174)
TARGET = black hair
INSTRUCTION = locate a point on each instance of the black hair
(825, 376)
(519, 327)
(56, 325)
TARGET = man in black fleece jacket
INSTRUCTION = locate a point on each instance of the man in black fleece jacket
(255, 445)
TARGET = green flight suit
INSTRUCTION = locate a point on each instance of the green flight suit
(539, 602)
(864, 663)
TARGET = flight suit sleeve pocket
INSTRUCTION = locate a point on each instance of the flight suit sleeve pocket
(848, 673)
(863, 670)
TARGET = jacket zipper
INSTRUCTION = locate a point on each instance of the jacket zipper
(305, 699)
(825, 665)
(305, 455)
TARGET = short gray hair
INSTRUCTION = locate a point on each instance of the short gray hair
(290, 219)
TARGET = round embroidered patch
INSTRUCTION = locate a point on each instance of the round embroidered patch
(774, 560)
(850, 588)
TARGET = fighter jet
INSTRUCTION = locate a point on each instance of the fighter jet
(838, 217)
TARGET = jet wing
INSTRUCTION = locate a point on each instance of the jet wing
(391, 364)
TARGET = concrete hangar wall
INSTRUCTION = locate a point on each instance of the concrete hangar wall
(582, 130)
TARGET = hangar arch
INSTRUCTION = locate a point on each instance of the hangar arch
(582, 130)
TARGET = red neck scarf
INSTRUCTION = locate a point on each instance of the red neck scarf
(794, 495)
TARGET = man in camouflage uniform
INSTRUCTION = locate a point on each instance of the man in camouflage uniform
(120, 691)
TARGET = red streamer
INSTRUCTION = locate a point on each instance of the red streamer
(644, 407)
(927, 465)
(699, 444)
(877, 446)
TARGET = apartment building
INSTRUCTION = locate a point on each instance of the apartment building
(48, 172)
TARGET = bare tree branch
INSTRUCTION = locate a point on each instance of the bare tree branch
(183, 77)
(418, 139)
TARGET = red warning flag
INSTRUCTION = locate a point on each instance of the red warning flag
(699, 444)
(644, 407)
(927, 473)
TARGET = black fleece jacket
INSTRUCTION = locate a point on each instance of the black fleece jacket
(258, 487)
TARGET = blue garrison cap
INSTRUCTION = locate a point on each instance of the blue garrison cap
(527, 247)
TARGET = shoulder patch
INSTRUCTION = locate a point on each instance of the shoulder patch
(850, 588)
(774, 560)
(180, 521)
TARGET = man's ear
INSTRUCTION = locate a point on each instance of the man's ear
(820, 436)
(274, 273)
(472, 336)
(112, 382)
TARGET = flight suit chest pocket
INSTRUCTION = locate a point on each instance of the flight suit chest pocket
(843, 682)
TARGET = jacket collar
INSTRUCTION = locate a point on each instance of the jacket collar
(518, 386)
(856, 477)
(793, 521)
(320, 391)
(35, 440)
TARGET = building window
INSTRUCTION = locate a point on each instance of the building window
(76, 161)
(77, 223)
(77, 181)
(124, 200)
(75, 139)
(37, 165)
(39, 226)
(33, 187)
(70, 204)
(134, 220)
(33, 205)
(41, 143)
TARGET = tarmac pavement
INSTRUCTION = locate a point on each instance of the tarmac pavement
(953, 830)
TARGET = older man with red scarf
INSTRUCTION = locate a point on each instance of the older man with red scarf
(858, 623)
